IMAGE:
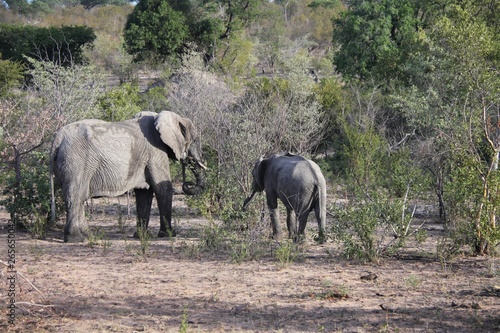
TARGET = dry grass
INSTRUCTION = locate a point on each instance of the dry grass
(176, 287)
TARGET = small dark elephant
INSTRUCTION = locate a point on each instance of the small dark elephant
(93, 158)
(301, 187)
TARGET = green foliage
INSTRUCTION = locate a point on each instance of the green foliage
(184, 322)
(214, 238)
(11, 75)
(375, 38)
(473, 204)
(120, 103)
(61, 45)
(287, 253)
(28, 202)
(144, 239)
(324, 3)
(238, 57)
(32, 8)
(154, 31)
(154, 99)
(455, 103)
(375, 220)
(89, 4)
(206, 33)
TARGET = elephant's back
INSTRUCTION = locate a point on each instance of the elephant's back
(295, 177)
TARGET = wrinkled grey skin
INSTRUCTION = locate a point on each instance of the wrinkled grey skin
(301, 187)
(93, 158)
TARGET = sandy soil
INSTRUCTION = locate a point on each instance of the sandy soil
(111, 287)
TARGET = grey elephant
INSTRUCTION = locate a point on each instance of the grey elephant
(301, 187)
(93, 158)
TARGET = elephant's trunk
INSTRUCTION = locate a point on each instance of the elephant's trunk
(191, 188)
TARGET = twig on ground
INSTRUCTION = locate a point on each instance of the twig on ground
(31, 284)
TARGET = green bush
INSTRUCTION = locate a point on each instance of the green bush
(380, 183)
(29, 201)
(11, 75)
(63, 45)
(120, 103)
(473, 204)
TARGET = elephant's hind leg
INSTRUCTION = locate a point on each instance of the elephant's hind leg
(272, 204)
(75, 229)
(321, 218)
(143, 201)
(301, 234)
(291, 223)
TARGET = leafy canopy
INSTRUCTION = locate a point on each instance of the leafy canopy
(155, 31)
(63, 45)
(374, 37)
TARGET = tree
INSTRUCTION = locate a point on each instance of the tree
(89, 4)
(375, 38)
(454, 107)
(155, 31)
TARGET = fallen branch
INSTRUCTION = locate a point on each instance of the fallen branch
(31, 284)
(35, 304)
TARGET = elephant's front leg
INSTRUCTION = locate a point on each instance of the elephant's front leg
(291, 223)
(165, 206)
(143, 200)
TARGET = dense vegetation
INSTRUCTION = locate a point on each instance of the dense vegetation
(399, 101)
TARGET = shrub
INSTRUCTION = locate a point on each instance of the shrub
(11, 75)
(62, 45)
(29, 202)
(120, 103)
(375, 220)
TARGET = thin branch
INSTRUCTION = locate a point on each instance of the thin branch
(21, 275)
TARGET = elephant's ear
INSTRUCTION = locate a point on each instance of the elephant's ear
(175, 131)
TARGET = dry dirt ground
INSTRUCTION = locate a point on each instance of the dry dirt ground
(111, 287)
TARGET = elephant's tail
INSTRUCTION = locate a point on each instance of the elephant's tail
(52, 194)
(53, 156)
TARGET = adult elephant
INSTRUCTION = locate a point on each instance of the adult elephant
(93, 158)
(301, 187)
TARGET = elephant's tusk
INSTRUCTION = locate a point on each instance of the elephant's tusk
(201, 165)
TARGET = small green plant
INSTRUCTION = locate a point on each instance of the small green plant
(94, 236)
(447, 247)
(413, 281)
(37, 251)
(106, 245)
(333, 293)
(121, 221)
(214, 237)
(38, 225)
(144, 239)
(240, 251)
(184, 322)
(287, 252)
(190, 250)
(120, 103)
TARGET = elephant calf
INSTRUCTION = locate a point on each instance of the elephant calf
(301, 187)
